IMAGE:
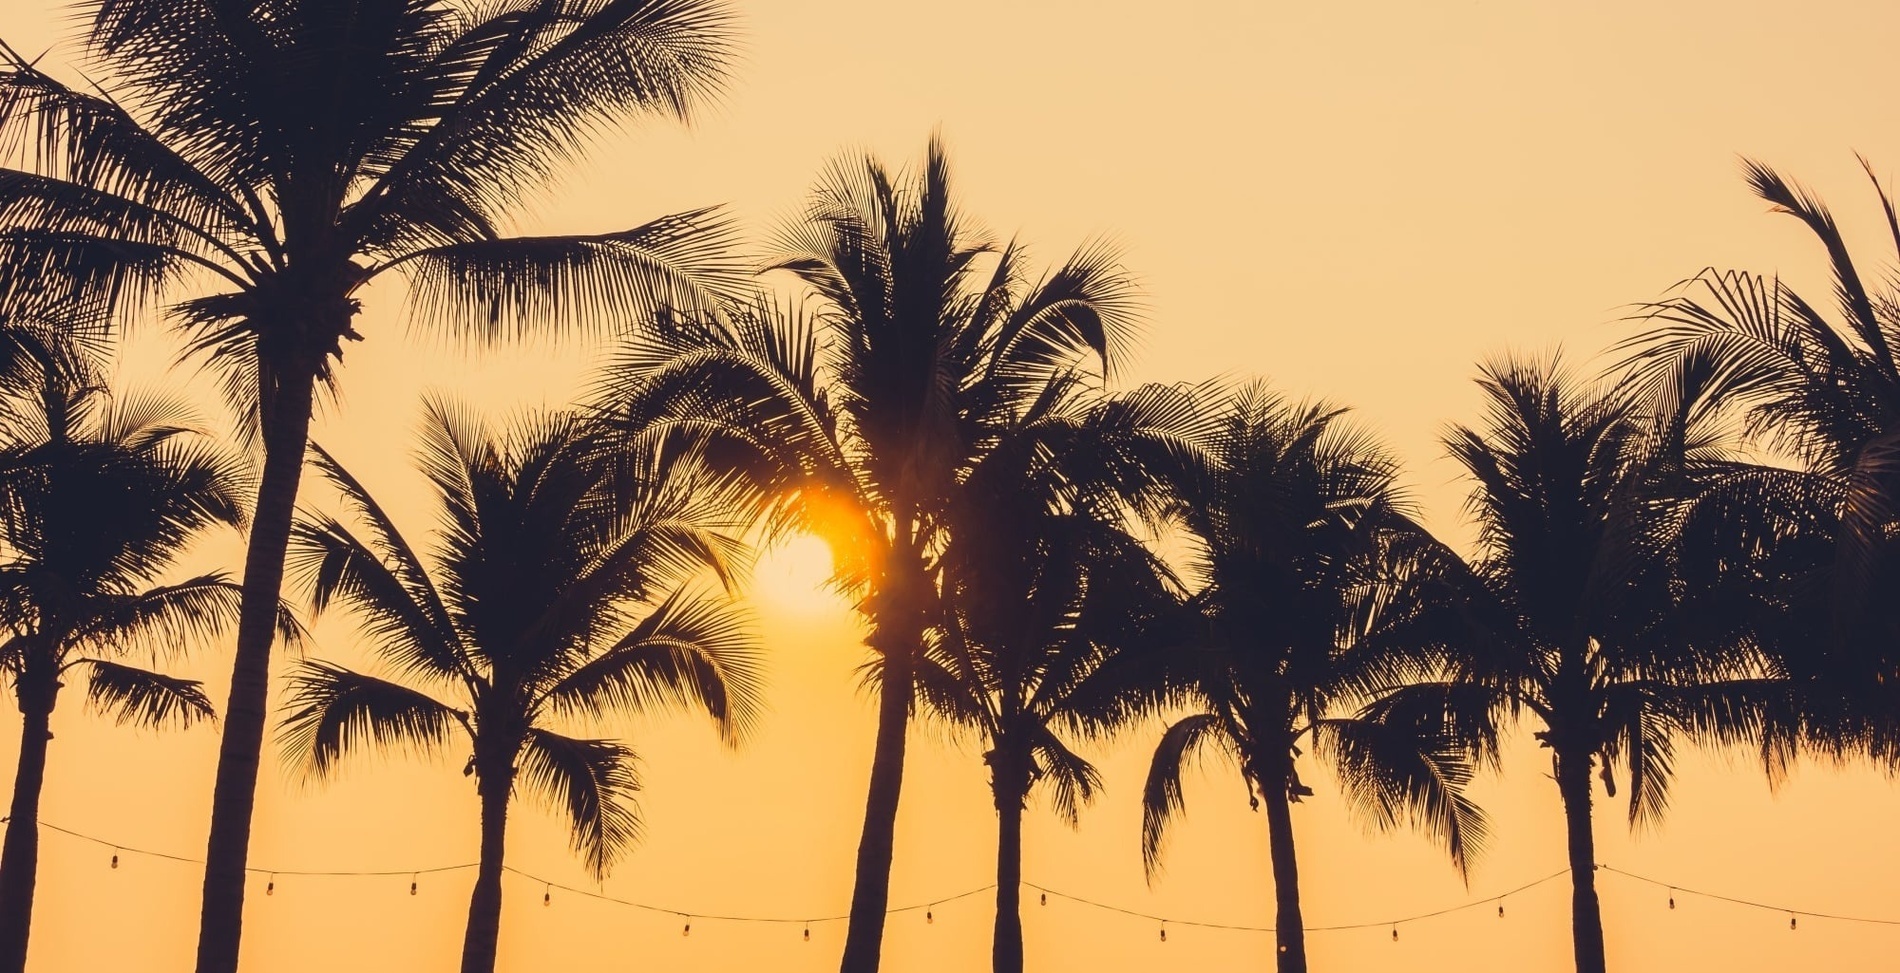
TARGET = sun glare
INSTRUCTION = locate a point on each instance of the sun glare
(792, 576)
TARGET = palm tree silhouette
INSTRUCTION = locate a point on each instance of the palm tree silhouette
(1051, 614)
(1312, 577)
(268, 161)
(866, 434)
(561, 590)
(1808, 407)
(1576, 613)
(98, 496)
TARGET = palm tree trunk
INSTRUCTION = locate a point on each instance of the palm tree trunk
(1289, 928)
(1586, 918)
(1006, 949)
(19, 862)
(870, 894)
(286, 418)
(484, 906)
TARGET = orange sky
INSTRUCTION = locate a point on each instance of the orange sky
(1354, 199)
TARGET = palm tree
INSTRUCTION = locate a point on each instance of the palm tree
(1576, 611)
(861, 421)
(1051, 619)
(1312, 573)
(561, 591)
(98, 496)
(1808, 408)
(260, 164)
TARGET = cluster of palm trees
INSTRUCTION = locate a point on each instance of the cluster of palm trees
(1690, 548)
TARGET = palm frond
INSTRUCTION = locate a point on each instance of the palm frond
(1161, 797)
(149, 699)
(1073, 781)
(593, 783)
(333, 711)
(1395, 772)
(580, 284)
(694, 650)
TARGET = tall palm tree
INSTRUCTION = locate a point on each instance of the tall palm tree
(560, 591)
(99, 494)
(1051, 619)
(260, 164)
(1808, 406)
(1311, 574)
(1576, 611)
(863, 418)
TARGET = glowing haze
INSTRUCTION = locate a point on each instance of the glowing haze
(1356, 200)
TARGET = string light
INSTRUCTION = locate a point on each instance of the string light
(929, 917)
(1792, 914)
(547, 896)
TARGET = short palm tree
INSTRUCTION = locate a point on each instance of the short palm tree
(865, 420)
(99, 495)
(562, 590)
(260, 164)
(1050, 624)
(1310, 574)
(1576, 612)
(1809, 406)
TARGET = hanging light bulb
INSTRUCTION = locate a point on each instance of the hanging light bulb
(270, 887)
(1672, 898)
(1395, 933)
(547, 894)
(1791, 921)
(115, 858)
(687, 930)
(1045, 898)
(412, 885)
(1282, 947)
(1164, 932)
(930, 917)
(808, 932)
(1500, 908)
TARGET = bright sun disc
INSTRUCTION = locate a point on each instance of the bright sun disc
(792, 575)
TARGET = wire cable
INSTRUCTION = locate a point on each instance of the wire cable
(1747, 902)
(1382, 924)
(808, 921)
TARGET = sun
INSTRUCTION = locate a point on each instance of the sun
(792, 575)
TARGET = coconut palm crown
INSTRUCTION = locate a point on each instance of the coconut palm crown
(101, 493)
(253, 167)
(563, 587)
(1308, 573)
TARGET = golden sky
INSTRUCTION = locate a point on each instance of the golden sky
(1353, 199)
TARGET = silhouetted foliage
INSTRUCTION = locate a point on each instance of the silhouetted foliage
(99, 495)
(863, 419)
(256, 165)
(1053, 614)
(1309, 573)
(1575, 611)
(561, 589)
(1803, 410)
